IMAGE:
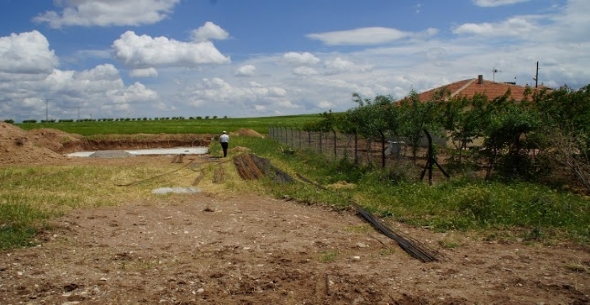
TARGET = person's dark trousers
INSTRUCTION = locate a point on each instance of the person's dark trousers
(224, 145)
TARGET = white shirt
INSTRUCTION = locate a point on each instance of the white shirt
(224, 138)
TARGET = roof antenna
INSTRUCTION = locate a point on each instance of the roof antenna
(494, 71)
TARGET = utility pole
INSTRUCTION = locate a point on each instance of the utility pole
(537, 76)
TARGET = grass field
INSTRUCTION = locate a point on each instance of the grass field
(31, 194)
(199, 126)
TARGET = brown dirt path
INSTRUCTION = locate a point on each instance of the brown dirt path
(205, 249)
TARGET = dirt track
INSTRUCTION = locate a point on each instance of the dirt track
(227, 249)
(203, 248)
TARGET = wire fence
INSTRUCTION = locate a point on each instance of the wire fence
(335, 145)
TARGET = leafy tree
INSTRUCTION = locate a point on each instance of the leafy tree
(415, 116)
(506, 133)
(565, 114)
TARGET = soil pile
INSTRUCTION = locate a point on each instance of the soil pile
(54, 139)
(247, 133)
(18, 146)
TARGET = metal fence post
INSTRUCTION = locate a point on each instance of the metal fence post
(299, 136)
(286, 140)
(382, 149)
(335, 152)
(356, 150)
(321, 149)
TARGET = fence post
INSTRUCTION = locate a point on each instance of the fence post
(321, 150)
(382, 149)
(271, 132)
(308, 139)
(292, 138)
(286, 136)
(335, 151)
(356, 146)
(299, 136)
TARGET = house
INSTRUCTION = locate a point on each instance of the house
(470, 87)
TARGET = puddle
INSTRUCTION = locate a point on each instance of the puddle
(153, 151)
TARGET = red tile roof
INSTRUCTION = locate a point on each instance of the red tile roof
(470, 87)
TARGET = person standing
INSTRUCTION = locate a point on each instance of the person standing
(224, 140)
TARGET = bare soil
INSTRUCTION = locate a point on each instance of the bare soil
(211, 248)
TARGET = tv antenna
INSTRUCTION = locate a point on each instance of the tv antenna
(494, 71)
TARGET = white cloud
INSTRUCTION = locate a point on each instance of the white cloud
(571, 24)
(277, 92)
(147, 72)
(131, 94)
(305, 71)
(326, 104)
(515, 26)
(26, 53)
(107, 12)
(300, 59)
(339, 65)
(245, 70)
(288, 104)
(144, 51)
(361, 36)
(494, 3)
(208, 32)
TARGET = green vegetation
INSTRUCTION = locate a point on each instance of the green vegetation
(535, 152)
(31, 194)
(543, 137)
(498, 209)
(173, 126)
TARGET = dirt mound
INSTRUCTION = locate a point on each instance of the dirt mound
(18, 146)
(247, 133)
(53, 139)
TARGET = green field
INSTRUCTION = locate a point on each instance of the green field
(198, 126)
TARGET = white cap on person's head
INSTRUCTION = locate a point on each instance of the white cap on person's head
(224, 131)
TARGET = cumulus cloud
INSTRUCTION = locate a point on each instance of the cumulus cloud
(246, 70)
(494, 3)
(26, 53)
(515, 26)
(107, 12)
(132, 94)
(301, 59)
(98, 80)
(145, 51)
(361, 36)
(339, 65)
(98, 89)
(209, 31)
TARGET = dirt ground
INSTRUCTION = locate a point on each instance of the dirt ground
(206, 248)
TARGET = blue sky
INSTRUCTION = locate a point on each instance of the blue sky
(77, 59)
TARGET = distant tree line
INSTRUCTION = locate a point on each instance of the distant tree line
(30, 121)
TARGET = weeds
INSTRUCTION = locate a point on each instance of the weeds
(32, 194)
(328, 256)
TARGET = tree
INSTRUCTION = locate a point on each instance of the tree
(415, 116)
